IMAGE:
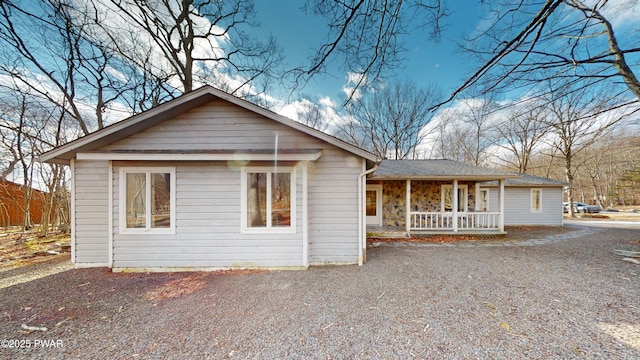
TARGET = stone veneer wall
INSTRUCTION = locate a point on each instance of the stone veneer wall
(425, 197)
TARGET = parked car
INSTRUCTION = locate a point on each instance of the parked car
(580, 207)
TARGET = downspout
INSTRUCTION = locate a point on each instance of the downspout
(72, 216)
(362, 223)
(110, 218)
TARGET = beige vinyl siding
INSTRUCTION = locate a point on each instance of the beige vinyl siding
(91, 212)
(208, 228)
(517, 204)
(333, 207)
(217, 125)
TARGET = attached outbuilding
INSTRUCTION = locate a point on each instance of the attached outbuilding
(529, 200)
(211, 181)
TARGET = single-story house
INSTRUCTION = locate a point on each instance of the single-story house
(211, 181)
(529, 200)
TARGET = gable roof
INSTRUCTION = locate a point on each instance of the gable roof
(436, 169)
(170, 109)
(526, 180)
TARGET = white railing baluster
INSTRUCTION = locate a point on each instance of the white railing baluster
(444, 220)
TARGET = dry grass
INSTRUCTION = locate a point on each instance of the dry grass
(19, 248)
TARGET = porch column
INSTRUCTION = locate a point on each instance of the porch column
(407, 215)
(501, 201)
(477, 205)
(454, 204)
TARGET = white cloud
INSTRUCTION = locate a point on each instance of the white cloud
(619, 12)
(326, 101)
(355, 82)
(141, 45)
(326, 107)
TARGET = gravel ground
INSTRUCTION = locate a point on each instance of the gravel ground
(559, 294)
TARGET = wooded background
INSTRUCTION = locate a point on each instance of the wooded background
(69, 68)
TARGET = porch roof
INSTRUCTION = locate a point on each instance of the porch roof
(436, 169)
(525, 180)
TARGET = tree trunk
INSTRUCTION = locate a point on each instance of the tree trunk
(253, 200)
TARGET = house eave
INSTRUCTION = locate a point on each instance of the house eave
(524, 185)
(231, 155)
(443, 177)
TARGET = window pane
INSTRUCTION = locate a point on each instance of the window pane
(256, 199)
(280, 199)
(161, 200)
(135, 206)
(371, 203)
(447, 199)
(484, 200)
(536, 199)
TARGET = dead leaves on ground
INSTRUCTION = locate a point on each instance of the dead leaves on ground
(191, 284)
(176, 288)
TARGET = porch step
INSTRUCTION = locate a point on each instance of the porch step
(388, 234)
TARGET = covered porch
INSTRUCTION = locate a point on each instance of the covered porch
(412, 197)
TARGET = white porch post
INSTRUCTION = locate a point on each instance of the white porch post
(454, 204)
(408, 206)
(477, 205)
(501, 200)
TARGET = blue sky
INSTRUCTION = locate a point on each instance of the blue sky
(426, 62)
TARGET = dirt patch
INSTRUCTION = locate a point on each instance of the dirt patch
(535, 232)
(19, 248)
(176, 288)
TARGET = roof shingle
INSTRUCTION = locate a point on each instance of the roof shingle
(436, 169)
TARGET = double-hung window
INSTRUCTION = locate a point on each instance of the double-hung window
(147, 200)
(268, 200)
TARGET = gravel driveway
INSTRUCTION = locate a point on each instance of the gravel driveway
(563, 295)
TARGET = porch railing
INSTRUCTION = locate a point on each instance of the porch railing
(444, 221)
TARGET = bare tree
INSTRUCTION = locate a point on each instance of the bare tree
(195, 41)
(529, 42)
(310, 114)
(49, 51)
(465, 132)
(367, 35)
(526, 41)
(577, 118)
(390, 122)
(521, 134)
(476, 120)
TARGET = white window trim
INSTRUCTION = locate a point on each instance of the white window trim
(532, 209)
(244, 229)
(465, 187)
(122, 201)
